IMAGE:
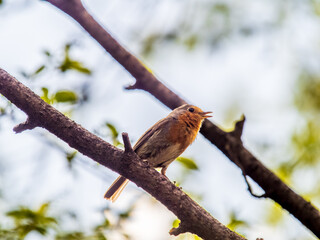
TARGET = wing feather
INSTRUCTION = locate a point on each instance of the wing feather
(160, 125)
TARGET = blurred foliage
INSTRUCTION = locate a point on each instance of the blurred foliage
(176, 223)
(27, 220)
(65, 96)
(61, 96)
(189, 30)
(9, 234)
(316, 6)
(34, 74)
(70, 64)
(307, 98)
(209, 24)
(109, 131)
(70, 156)
(235, 223)
(53, 62)
(114, 134)
(2, 111)
(306, 144)
(284, 171)
(275, 214)
(188, 163)
(305, 141)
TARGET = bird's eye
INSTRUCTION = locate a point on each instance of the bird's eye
(191, 109)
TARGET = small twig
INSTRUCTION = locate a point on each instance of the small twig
(237, 132)
(182, 228)
(131, 87)
(244, 174)
(27, 125)
(126, 143)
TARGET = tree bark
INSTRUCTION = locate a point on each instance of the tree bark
(193, 217)
(230, 144)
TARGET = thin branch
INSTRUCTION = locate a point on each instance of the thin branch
(131, 87)
(182, 228)
(126, 143)
(237, 132)
(27, 125)
(236, 152)
(130, 166)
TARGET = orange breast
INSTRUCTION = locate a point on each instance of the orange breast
(185, 130)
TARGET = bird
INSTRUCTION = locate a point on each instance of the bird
(162, 143)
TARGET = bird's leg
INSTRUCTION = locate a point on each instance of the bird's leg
(163, 170)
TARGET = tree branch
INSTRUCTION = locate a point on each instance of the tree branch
(27, 125)
(197, 220)
(237, 132)
(229, 144)
(126, 143)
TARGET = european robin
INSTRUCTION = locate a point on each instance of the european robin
(164, 142)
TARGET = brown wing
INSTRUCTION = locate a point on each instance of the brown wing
(148, 134)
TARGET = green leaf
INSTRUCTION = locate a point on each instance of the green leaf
(43, 208)
(27, 220)
(113, 130)
(70, 156)
(65, 96)
(71, 64)
(45, 95)
(114, 134)
(235, 222)
(33, 74)
(176, 223)
(188, 163)
(2, 111)
(127, 213)
(40, 69)
(105, 225)
(47, 53)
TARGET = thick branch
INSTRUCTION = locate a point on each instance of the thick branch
(126, 163)
(230, 145)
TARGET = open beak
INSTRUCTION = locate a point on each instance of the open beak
(205, 114)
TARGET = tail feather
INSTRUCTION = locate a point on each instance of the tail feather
(116, 188)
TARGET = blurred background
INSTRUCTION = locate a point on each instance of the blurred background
(258, 58)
